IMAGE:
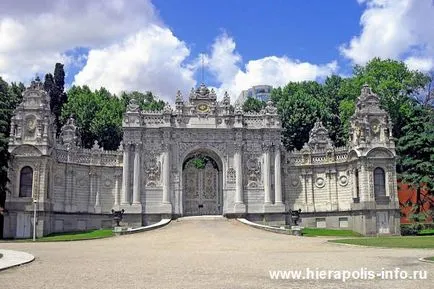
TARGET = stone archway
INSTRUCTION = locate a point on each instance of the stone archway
(202, 184)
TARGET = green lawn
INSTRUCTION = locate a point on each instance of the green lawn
(73, 236)
(311, 232)
(426, 232)
(430, 258)
(391, 242)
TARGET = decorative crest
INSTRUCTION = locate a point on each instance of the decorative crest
(270, 108)
(319, 137)
(226, 99)
(203, 93)
(178, 99)
(167, 108)
(96, 146)
(133, 106)
(68, 135)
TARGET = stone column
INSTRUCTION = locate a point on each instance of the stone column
(166, 176)
(267, 181)
(91, 189)
(136, 178)
(126, 176)
(277, 176)
(116, 196)
(354, 182)
(239, 175)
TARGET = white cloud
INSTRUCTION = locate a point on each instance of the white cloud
(130, 48)
(151, 59)
(419, 63)
(225, 63)
(36, 34)
(398, 29)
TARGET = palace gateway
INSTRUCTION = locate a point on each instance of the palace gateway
(200, 157)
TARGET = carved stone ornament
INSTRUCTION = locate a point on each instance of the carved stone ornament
(153, 172)
(319, 137)
(231, 176)
(253, 172)
(320, 182)
(226, 99)
(270, 108)
(133, 106)
(343, 180)
(167, 109)
(178, 99)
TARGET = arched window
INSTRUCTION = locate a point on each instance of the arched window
(379, 183)
(26, 182)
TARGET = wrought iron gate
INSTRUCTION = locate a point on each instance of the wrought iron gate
(201, 186)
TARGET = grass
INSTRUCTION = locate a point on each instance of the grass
(391, 242)
(312, 232)
(426, 232)
(430, 258)
(73, 236)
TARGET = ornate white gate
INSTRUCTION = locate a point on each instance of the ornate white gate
(201, 179)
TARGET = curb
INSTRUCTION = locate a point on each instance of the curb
(202, 218)
(425, 260)
(127, 231)
(264, 227)
(13, 258)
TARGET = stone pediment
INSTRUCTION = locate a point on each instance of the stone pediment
(319, 138)
(26, 150)
(380, 153)
(202, 93)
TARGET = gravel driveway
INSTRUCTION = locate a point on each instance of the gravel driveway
(205, 254)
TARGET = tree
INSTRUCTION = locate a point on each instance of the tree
(416, 154)
(396, 85)
(146, 101)
(55, 86)
(299, 106)
(253, 105)
(334, 99)
(99, 113)
(426, 96)
(83, 105)
(10, 97)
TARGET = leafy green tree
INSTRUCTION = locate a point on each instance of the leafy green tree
(10, 97)
(83, 104)
(299, 108)
(253, 105)
(55, 86)
(396, 85)
(146, 101)
(99, 113)
(415, 149)
(334, 97)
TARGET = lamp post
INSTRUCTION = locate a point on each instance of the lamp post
(34, 219)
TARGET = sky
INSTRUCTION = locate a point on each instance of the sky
(168, 45)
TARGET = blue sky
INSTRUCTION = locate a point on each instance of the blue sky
(159, 45)
(306, 30)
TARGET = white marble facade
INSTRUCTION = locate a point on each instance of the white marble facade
(201, 156)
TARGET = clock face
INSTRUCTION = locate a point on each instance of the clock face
(203, 107)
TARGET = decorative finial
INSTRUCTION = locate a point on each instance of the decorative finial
(178, 96)
(226, 99)
(133, 106)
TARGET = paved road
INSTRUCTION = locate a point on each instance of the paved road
(204, 254)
